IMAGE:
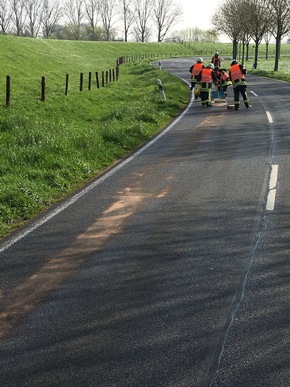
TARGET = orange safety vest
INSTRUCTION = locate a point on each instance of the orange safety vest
(236, 72)
(197, 67)
(216, 60)
(206, 76)
(225, 76)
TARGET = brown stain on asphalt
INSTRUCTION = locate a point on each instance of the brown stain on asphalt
(25, 297)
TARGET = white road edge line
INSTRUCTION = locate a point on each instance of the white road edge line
(272, 188)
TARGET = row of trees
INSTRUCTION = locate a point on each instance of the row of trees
(243, 21)
(195, 34)
(253, 20)
(89, 19)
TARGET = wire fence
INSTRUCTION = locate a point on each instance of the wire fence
(77, 82)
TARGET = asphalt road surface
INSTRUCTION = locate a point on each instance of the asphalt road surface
(172, 269)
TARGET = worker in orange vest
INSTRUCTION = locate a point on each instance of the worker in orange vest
(195, 70)
(237, 76)
(216, 60)
(223, 81)
(206, 78)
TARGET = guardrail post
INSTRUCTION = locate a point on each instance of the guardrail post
(160, 87)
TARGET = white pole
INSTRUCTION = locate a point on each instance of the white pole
(160, 86)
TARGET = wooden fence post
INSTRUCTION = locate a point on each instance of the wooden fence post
(43, 88)
(81, 81)
(90, 81)
(97, 80)
(103, 78)
(66, 84)
(8, 90)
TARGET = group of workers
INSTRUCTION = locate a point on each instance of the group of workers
(203, 77)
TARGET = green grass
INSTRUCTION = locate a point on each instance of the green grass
(50, 149)
(225, 49)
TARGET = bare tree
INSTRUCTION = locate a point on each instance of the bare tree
(279, 24)
(5, 16)
(128, 16)
(92, 11)
(243, 9)
(198, 35)
(74, 11)
(143, 10)
(34, 11)
(165, 14)
(227, 20)
(258, 20)
(267, 37)
(52, 13)
(107, 9)
(18, 15)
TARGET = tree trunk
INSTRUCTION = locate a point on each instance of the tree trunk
(243, 53)
(247, 51)
(267, 50)
(235, 48)
(277, 52)
(256, 55)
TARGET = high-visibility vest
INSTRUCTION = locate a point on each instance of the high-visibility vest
(225, 76)
(216, 61)
(197, 67)
(206, 76)
(236, 72)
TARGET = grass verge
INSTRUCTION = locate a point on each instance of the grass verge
(48, 150)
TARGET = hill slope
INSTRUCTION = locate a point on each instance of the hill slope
(49, 149)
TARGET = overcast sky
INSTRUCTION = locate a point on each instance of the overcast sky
(195, 14)
(203, 16)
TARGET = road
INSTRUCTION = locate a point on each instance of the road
(171, 269)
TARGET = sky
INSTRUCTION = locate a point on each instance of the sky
(203, 16)
(195, 14)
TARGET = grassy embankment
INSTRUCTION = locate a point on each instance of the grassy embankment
(49, 149)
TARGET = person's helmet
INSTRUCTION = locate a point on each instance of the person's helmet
(234, 62)
(199, 60)
(210, 66)
(216, 54)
